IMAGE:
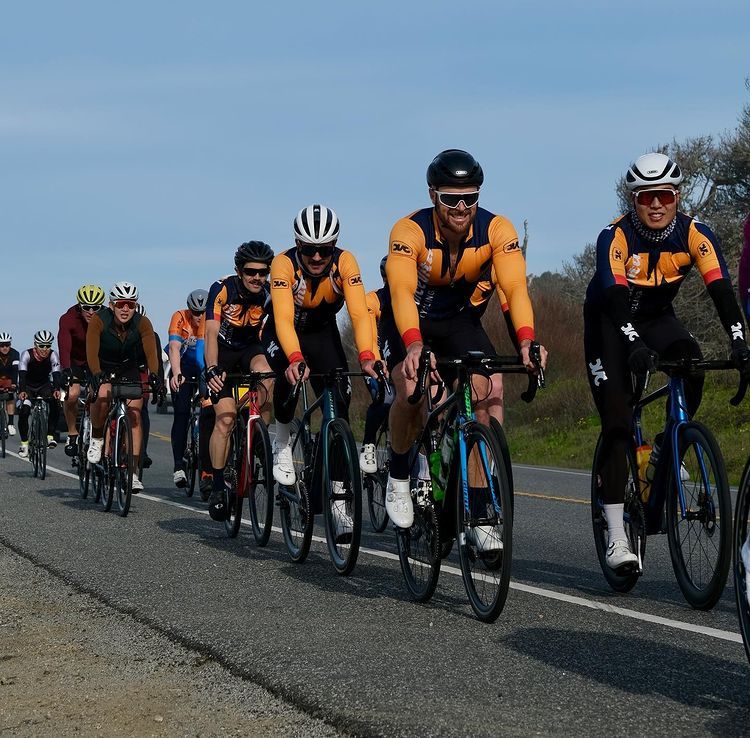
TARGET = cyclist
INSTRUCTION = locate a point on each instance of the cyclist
(436, 258)
(38, 376)
(9, 358)
(186, 364)
(744, 283)
(641, 260)
(237, 306)
(377, 411)
(116, 340)
(71, 343)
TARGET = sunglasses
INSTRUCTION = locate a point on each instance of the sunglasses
(453, 199)
(43, 346)
(90, 308)
(4, 345)
(646, 197)
(250, 272)
(123, 304)
(310, 249)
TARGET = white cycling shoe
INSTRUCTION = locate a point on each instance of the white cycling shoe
(94, 454)
(486, 539)
(342, 521)
(398, 502)
(180, 478)
(11, 430)
(137, 485)
(23, 452)
(367, 461)
(283, 465)
(619, 554)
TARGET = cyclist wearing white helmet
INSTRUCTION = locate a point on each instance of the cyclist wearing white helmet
(71, 343)
(35, 367)
(642, 259)
(237, 306)
(186, 337)
(9, 358)
(117, 340)
(310, 284)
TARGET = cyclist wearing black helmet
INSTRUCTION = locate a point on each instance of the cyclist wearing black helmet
(436, 258)
(237, 307)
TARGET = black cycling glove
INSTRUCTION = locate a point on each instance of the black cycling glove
(642, 359)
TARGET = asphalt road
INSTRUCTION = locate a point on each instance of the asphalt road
(567, 655)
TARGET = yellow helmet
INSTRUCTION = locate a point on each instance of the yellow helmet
(90, 295)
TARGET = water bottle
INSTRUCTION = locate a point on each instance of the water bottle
(643, 455)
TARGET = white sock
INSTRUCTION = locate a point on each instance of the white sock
(282, 434)
(613, 515)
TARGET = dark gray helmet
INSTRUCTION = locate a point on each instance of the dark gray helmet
(454, 168)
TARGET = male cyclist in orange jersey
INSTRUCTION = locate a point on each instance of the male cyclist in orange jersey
(310, 284)
(436, 258)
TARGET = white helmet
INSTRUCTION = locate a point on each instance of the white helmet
(652, 169)
(197, 301)
(123, 291)
(43, 338)
(5, 337)
(140, 309)
(316, 224)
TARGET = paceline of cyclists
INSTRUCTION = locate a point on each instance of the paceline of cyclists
(276, 313)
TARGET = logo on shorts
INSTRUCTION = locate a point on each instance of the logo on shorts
(736, 329)
(401, 248)
(597, 372)
(280, 283)
(355, 280)
(630, 332)
(272, 348)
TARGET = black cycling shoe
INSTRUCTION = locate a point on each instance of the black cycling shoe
(147, 462)
(216, 508)
(71, 447)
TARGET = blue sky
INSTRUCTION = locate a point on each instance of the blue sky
(145, 141)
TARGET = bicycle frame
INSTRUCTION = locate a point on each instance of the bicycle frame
(248, 401)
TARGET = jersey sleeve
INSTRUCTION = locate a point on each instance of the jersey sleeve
(407, 243)
(64, 341)
(217, 299)
(23, 367)
(200, 343)
(705, 251)
(510, 270)
(356, 304)
(373, 310)
(93, 340)
(149, 343)
(282, 298)
(175, 327)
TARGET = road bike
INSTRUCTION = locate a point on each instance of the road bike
(374, 484)
(686, 497)
(461, 488)
(38, 424)
(4, 397)
(741, 565)
(248, 472)
(328, 479)
(191, 456)
(84, 439)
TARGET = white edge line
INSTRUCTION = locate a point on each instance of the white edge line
(724, 635)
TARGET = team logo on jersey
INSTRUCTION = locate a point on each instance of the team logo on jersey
(386, 351)
(280, 284)
(617, 254)
(401, 248)
(736, 329)
(597, 372)
(629, 331)
(704, 249)
(355, 280)
(512, 246)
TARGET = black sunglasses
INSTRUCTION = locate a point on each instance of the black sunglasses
(250, 272)
(4, 345)
(452, 199)
(310, 249)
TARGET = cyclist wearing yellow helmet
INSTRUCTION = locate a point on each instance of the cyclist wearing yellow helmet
(71, 342)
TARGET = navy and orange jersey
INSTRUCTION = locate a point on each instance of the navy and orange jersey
(302, 303)
(240, 313)
(654, 272)
(423, 284)
(376, 301)
(191, 340)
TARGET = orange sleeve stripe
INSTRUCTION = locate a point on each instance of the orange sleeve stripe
(712, 274)
(620, 279)
(525, 334)
(410, 336)
(296, 356)
(366, 356)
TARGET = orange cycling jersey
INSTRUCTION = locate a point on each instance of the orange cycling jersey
(424, 284)
(482, 294)
(181, 329)
(302, 303)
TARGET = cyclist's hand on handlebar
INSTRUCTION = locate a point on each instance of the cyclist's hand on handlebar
(293, 374)
(175, 381)
(22, 396)
(411, 362)
(368, 367)
(642, 360)
(215, 378)
(528, 360)
(66, 377)
(56, 394)
(741, 357)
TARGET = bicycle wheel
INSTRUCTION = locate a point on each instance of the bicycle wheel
(741, 568)
(700, 544)
(484, 523)
(233, 473)
(3, 426)
(503, 442)
(375, 484)
(259, 484)
(634, 520)
(84, 468)
(297, 518)
(122, 464)
(42, 439)
(34, 431)
(342, 497)
(108, 474)
(191, 456)
(97, 481)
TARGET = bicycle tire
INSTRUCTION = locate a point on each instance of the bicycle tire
(191, 457)
(701, 582)
(374, 485)
(42, 438)
(3, 427)
(503, 442)
(297, 518)
(233, 473)
(343, 535)
(635, 526)
(739, 571)
(108, 481)
(486, 574)
(97, 482)
(84, 468)
(259, 487)
(122, 460)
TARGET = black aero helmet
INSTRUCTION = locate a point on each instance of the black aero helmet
(253, 251)
(382, 267)
(454, 168)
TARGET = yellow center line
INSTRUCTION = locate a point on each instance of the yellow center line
(154, 434)
(575, 500)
